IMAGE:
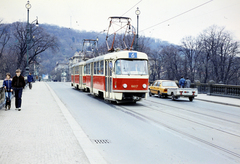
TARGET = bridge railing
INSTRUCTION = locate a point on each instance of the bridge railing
(216, 89)
(2, 94)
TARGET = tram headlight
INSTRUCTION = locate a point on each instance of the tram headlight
(144, 86)
(124, 85)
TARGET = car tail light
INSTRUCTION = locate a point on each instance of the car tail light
(181, 92)
(193, 92)
(165, 90)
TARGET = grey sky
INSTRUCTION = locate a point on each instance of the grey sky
(92, 15)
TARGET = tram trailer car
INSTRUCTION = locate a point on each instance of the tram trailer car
(118, 76)
(78, 77)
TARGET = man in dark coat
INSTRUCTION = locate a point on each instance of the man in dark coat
(18, 84)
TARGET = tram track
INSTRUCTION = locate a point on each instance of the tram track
(186, 119)
(174, 129)
(195, 112)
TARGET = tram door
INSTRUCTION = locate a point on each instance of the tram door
(92, 70)
(80, 76)
(108, 78)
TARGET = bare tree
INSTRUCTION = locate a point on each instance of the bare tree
(4, 37)
(191, 49)
(220, 50)
(40, 41)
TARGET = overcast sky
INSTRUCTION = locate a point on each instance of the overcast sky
(92, 15)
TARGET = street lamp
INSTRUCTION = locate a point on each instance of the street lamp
(28, 6)
(137, 12)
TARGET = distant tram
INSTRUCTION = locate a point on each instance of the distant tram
(118, 76)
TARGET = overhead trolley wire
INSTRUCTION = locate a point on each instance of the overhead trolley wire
(177, 15)
(131, 8)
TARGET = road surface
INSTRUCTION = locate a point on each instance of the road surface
(156, 130)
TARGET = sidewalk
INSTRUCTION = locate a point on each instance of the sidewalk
(219, 100)
(43, 132)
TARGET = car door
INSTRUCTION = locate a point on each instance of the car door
(152, 87)
(158, 87)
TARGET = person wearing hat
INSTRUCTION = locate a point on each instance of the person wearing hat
(18, 84)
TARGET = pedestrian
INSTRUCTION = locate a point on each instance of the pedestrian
(30, 80)
(18, 84)
(188, 83)
(7, 84)
(181, 82)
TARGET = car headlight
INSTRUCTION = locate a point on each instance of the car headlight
(124, 85)
(144, 86)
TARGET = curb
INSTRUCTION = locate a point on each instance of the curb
(216, 102)
(89, 149)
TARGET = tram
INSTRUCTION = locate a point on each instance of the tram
(117, 76)
(78, 77)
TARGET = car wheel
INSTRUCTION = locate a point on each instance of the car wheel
(190, 98)
(150, 93)
(159, 95)
(173, 97)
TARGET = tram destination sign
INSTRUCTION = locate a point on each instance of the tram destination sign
(132, 55)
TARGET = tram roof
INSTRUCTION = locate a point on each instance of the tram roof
(80, 63)
(118, 55)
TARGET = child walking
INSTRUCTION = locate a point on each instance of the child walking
(7, 84)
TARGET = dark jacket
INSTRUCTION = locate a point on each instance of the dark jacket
(30, 78)
(7, 84)
(18, 82)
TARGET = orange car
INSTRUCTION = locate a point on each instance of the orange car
(160, 87)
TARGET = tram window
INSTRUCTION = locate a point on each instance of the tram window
(88, 69)
(98, 69)
(106, 68)
(85, 69)
(76, 70)
(101, 67)
(95, 67)
(110, 68)
(131, 67)
(118, 67)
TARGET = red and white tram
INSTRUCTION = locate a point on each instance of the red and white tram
(118, 76)
(78, 77)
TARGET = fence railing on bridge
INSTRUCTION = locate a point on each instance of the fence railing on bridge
(217, 89)
(2, 94)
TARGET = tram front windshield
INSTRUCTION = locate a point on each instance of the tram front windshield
(131, 67)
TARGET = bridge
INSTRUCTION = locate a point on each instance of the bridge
(59, 124)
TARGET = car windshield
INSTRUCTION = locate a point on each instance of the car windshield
(169, 84)
(131, 67)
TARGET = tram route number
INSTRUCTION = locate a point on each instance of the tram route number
(132, 55)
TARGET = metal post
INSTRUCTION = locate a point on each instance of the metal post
(137, 12)
(28, 6)
(137, 33)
